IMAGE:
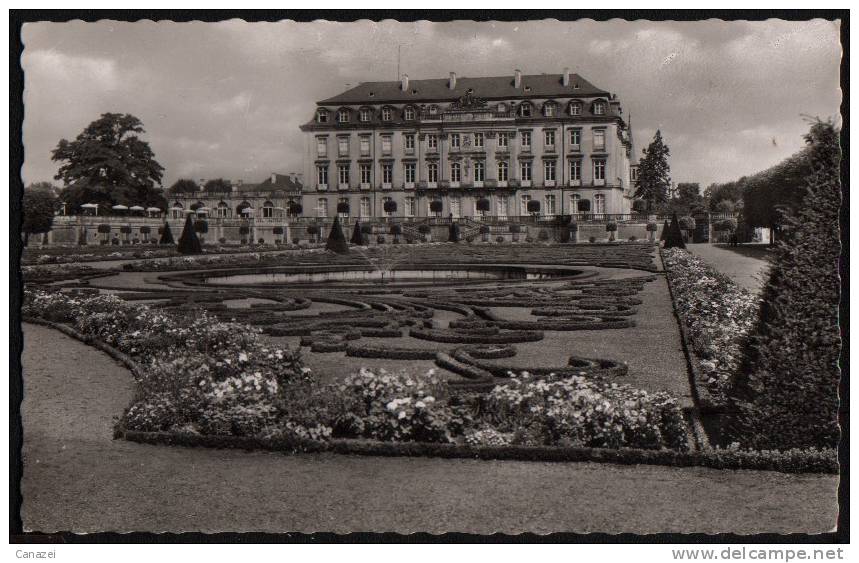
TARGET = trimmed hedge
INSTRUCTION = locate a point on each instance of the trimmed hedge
(389, 352)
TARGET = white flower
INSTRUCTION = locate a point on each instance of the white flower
(243, 357)
(402, 415)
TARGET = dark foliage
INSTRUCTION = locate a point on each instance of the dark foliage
(166, 234)
(436, 206)
(343, 207)
(184, 186)
(336, 239)
(201, 226)
(664, 234)
(533, 206)
(188, 241)
(453, 233)
(218, 185)
(785, 394)
(673, 235)
(390, 206)
(38, 211)
(483, 204)
(357, 235)
(654, 173)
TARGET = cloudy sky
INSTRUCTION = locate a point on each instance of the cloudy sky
(226, 99)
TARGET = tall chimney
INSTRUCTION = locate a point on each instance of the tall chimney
(405, 83)
(202, 183)
(452, 83)
(566, 80)
(517, 79)
(273, 178)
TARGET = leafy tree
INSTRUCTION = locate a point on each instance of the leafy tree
(654, 173)
(218, 185)
(109, 163)
(184, 186)
(785, 392)
(730, 191)
(188, 241)
(38, 210)
(336, 239)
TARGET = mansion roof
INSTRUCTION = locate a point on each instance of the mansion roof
(490, 88)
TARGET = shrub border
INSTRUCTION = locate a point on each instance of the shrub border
(627, 456)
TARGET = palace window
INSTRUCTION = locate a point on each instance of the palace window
(432, 172)
(386, 114)
(387, 173)
(478, 140)
(322, 116)
(599, 203)
(574, 203)
(321, 146)
(343, 174)
(343, 203)
(549, 170)
(433, 109)
(455, 172)
(322, 176)
(503, 171)
(502, 140)
(575, 108)
(366, 173)
(343, 116)
(386, 144)
(409, 172)
(526, 140)
(551, 208)
(455, 140)
(575, 138)
(365, 207)
(268, 210)
(599, 108)
(599, 140)
(365, 145)
(549, 138)
(322, 207)
(523, 202)
(364, 115)
(409, 204)
(409, 113)
(432, 142)
(343, 146)
(599, 169)
(455, 207)
(222, 210)
(524, 109)
(478, 171)
(501, 206)
(502, 108)
(575, 169)
(410, 142)
(525, 170)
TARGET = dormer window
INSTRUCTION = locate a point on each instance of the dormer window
(322, 116)
(364, 115)
(502, 108)
(343, 116)
(433, 110)
(524, 109)
(549, 109)
(575, 108)
(386, 114)
(409, 114)
(599, 108)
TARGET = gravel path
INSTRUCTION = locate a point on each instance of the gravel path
(747, 271)
(77, 478)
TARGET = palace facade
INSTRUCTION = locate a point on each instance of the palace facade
(469, 147)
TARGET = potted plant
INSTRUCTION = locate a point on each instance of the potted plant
(484, 232)
(515, 229)
(436, 207)
(390, 207)
(105, 230)
(533, 207)
(313, 231)
(611, 227)
(651, 230)
(482, 205)
(145, 230)
(126, 231)
(425, 231)
(396, 230)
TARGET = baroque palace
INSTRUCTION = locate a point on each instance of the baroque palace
(469, 147)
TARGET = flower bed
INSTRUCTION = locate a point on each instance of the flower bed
(716, 315)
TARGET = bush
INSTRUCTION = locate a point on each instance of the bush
(244, 230)
(222, 240)
(103, 228)
(125, 229)
(674, 238)
(611, 227)
(260, 240)
(592, 239)
(201, 226)
(367, 229)
(436, 206)
(390, 206)
(543, 235)
(687, 223)
(786, 390)
(651, 227)
(380, 239)
(424, 229)
(484, 229)
(729, 225)
(145, 230)
(277, 230)
(633, 238)
(313, 230)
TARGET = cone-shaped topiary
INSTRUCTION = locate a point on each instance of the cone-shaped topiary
(188, 242)
(674, 238)
(453, 233)
(357, 235)
(166, 234)
(664, 232)
(336, 239)
(785, 392)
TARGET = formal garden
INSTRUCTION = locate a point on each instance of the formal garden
(538, 350)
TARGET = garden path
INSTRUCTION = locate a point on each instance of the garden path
(747, 271)
(76, 477)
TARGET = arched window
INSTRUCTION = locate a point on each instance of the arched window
(240, 210)
(343, 115)
(322, 115)
(386, 114)
(599, 107)
(575, 107)
(549, 109)
(409, 113)
(268, 209)
(177, 210)
(503, 171)
(524, 109)
(222, 210)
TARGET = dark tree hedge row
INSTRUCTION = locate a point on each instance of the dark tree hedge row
(786, 392)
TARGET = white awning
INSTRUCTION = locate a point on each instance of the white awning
(154, 209)
(136, 208)
(90, 205)
(120, 207)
